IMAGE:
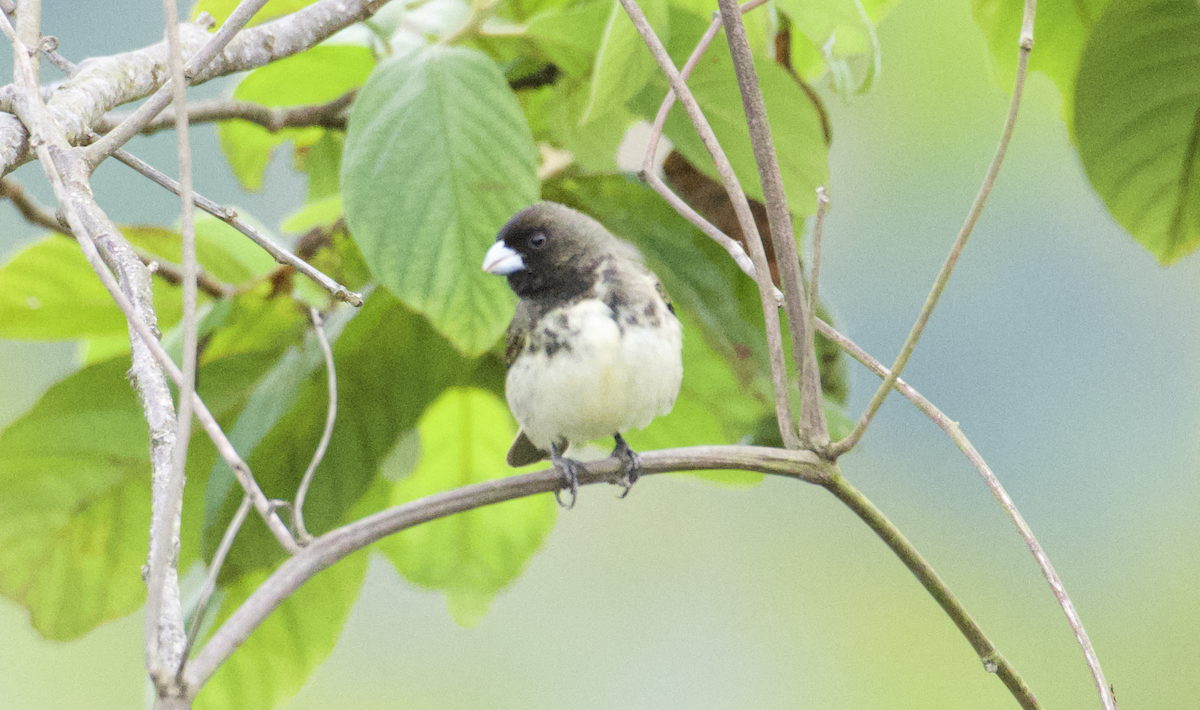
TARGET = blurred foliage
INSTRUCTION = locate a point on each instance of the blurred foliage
(455, 105)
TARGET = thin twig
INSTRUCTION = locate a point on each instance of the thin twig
(30, 209)
(993, 660)
(330, 418)
(770, 306)
(121, 134)
(230, 217)
(810, 332)
(939, 285)
(813, 430)
(648, 173)
(173, 274)
(331, 114)
(954, 431)
(210, 582)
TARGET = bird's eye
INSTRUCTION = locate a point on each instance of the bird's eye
(537, 241)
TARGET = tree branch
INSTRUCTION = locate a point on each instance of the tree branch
(330, 419)
(954, 431)
(344, 541)
(993, 660)
(813, 430)
(330, 115)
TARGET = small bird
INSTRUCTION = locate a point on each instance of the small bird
(594, 348)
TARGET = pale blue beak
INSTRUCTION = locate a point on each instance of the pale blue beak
(502, 260)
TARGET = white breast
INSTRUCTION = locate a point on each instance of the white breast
(607, 381)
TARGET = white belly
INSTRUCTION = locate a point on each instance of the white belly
(604, 384)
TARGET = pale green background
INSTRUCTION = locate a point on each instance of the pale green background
(1068, 356)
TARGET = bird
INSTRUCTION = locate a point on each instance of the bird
(594, 348)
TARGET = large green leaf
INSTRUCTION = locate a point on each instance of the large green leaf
(318, 75)
(554, 118)
(623, 62)
(438, 156)
(1137, 121)
(470, 556)
(75, 507)
(391, 364)
(1060, 30)
(795, 121)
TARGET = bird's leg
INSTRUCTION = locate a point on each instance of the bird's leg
(631, 465)
(567, 467)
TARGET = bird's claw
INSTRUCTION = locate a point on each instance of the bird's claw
(631, 464)
(570, 474)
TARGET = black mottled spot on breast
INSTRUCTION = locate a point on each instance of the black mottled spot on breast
(650, 311)
(555, 340)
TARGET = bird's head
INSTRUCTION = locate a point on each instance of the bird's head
(549, 250)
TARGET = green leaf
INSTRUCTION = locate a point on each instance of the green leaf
(570, 37)
(49, 292)
(623, 62)
(1060, 28)
(273, 664)
(316, 76)
(438, 157)
(391, 364)
(74, 517)
(1137, 121)
(321, 160)
(795, 122)
(255, 320)
(221, 9)
(470, 556)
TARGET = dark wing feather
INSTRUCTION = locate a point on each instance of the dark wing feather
(663, 292)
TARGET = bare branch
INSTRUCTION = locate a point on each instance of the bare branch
(993, 660)
(330, 418)
(943, 277)
(813, 430)
(648, 174)
(165, 646)
(783, 408)
(954, 431)
(173, 274)
(230, 217)
(330, 115)
(340, 543)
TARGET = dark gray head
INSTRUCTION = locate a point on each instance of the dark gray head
(550, 251)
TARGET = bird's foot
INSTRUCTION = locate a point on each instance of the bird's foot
(569, 468)
(631, 464)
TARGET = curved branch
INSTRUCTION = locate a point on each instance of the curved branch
(342, 542)
(954, 431)
(993, 660)
(272, 118)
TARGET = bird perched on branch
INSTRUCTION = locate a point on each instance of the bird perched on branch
(594, 348)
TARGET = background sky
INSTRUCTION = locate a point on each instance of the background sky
(1068, 356)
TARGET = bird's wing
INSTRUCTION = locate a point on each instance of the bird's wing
(663, 293)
